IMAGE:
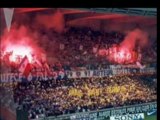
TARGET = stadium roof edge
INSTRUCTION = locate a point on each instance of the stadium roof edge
(129, 11)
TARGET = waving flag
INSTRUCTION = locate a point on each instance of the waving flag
(61, 73)
(139, 65)
(25, 67)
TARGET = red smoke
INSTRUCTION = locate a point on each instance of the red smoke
(29, 37)
(19, 50)
(119, 55)
(55, 21)
(133, 38)
(19, 43)
(125, 53)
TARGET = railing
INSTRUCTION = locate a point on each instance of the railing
(10, 77)
(105, 113)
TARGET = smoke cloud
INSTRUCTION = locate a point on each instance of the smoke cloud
(34, 31)
(55, 21)
(44, 41)
(20, 36)
(135, 38)
(126, 52)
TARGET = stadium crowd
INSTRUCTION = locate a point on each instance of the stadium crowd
(79, 48)
(6, 96)
(57, 97)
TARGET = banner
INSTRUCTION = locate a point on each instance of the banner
(109, 72)
(25, 67)
(146, 111)
(139, 116)
(10, 77)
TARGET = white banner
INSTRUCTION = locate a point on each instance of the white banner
(139, 116)
(10, 77)
(109, 72)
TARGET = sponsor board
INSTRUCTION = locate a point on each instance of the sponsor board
(85, 116)
(151, 112)
(139, 116)
(146, 111)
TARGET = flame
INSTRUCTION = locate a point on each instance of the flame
(19, 50)
(119, 55)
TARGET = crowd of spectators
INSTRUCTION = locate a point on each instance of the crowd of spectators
(57, 97)
(78, 47)
(6, 96)
(81, 47)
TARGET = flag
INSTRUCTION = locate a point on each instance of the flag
(47, 69)
(61, 73)
(25, 67)
(81, 47)
(139, 57)
(139, 65)
(39, 64)
(95, 49)
(61, 46)
(55, 75)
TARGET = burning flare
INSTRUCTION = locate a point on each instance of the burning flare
(19, 51)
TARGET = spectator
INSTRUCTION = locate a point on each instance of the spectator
(85, 94)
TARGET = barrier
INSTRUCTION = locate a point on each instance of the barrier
(146, 109)
(10, 77)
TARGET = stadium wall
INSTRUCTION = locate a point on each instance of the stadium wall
(146, 111)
